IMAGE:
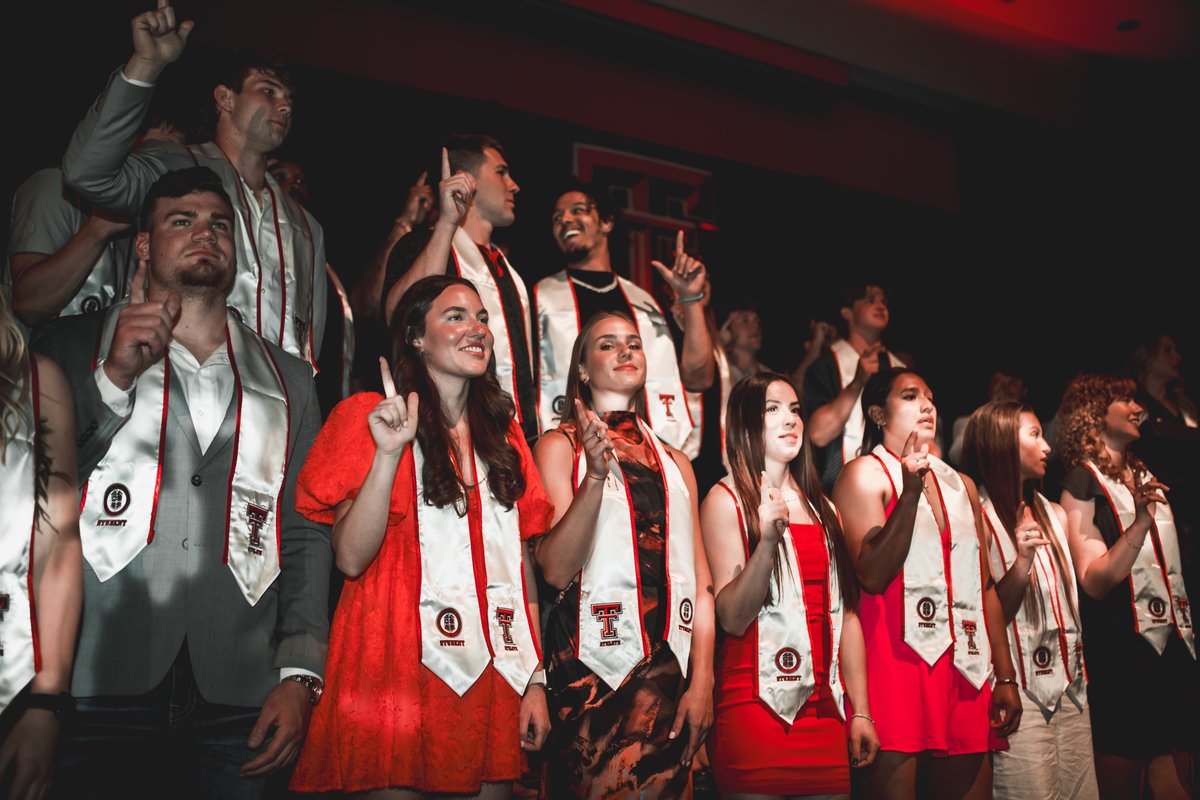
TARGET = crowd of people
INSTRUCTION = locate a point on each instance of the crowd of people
(582, 540)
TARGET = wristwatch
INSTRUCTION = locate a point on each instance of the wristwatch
(315, 686)
(61, 705)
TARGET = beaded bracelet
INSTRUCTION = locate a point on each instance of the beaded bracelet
(863, 716)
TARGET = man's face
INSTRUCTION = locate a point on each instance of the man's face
(261, 112)
(190, 245)
(745, 330)
(577, 227)
(291, 179)
(869, 312)
(495, 190)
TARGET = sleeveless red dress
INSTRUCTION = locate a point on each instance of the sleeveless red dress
(386, 720)
(751, 749)
(918, 707)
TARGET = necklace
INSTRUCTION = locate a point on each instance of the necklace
(591, 288)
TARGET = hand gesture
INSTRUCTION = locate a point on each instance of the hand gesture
(823, 335)
(1146, 496)
(455, 193)
(863, 742)
(1006, 709)
(393, 423)
(1029, 536)
(868, 364)
(143, 332)
(914, 463)
(686, 276)
(419, 202)
(773, 515)
(157, 40)
(597, 447)
(27, 754)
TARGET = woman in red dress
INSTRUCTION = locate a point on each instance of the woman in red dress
(786, 595)
(933, 625)
(431, 492)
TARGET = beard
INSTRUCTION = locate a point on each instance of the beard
(204, 276)
(575, 254)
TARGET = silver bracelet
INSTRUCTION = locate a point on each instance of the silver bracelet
(863, 716)
(1003, 681)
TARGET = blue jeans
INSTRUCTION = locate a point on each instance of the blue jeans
(167, 743)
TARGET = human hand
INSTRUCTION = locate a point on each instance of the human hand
(104, 225)
(143, 332)
(773, 515)
(597, 446)
(1146, 496)
(863, 741)
(868, 364)
(686, 275)
(695, 709)
(287, 710)
(1006, 709)
(455, 193)
(1029, 536)
(28, 754)
(393, 423)
(914, 463)
(157, 41)
(823, 334)
(419, 201)
(534, 719)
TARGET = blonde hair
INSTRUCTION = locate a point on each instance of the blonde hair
(14, 372)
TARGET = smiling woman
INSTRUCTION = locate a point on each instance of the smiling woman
(438, 483)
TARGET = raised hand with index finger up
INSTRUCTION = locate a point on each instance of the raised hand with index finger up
(686, 275)
(393, 422)
(143, 332)
(157, 42)
(455, 193)
(914, 463)
(597, 446)
(773, 515)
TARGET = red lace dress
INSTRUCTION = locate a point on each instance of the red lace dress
(385, 719)
(751, 749)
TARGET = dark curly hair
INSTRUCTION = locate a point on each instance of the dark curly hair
(1081, 421)
(489, 409)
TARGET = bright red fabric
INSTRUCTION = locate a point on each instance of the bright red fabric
(385, 719)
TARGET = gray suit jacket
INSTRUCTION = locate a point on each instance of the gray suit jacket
(135, 623)
(99, 165)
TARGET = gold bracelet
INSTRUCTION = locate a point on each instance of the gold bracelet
(862, 716)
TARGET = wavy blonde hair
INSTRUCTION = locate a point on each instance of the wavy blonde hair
(14, 372)
(1081, 421)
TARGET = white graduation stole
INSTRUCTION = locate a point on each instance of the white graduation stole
(612, 640)
(473, 266)
(1159, 598)
(120, 498)
(936, 618)
(785, 678)
(695, 403)
(558, 326)
(458, 638)
(291, 235)
(847, 363)
(1049, 656)
(18, 536)
(105, 284)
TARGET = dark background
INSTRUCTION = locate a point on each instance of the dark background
(1068, 241)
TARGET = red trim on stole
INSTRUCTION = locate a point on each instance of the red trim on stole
(35, 395)
(162, 437)
(237, 388)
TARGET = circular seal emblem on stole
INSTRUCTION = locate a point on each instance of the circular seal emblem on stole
(116, 499)
(1041, 657)
(926, 608)
(685, 611)
(1157, 606)
(90, 304)
(449, 623)
(787, 660)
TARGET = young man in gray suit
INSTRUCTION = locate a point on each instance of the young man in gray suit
(205, 615)
(279, 289)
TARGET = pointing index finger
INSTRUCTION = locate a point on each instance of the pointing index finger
(385, 373)
(137, 289)
(425, 175)
(445, 164)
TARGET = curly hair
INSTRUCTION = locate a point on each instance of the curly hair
(489, 410)
(14, 371)
(1081, 421)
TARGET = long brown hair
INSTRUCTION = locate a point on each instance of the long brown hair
(489, 409)
(992, 457)
(744, 447)
(578, 388)
(1081, 415)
